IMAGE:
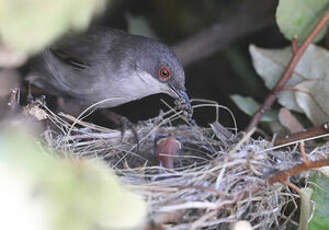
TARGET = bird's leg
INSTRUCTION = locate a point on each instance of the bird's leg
(29, 81)
(29, 92)
(122, 122)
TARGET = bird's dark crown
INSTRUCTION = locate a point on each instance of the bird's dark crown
(153, 55)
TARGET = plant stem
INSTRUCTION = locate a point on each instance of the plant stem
(297, 54)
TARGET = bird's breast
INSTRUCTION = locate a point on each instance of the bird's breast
(127, 88)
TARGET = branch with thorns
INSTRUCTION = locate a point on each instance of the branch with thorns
(298, 52)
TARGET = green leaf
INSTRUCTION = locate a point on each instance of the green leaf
(249, 106)
(312, 97)
(30, 25)
(320, 197)
(298, 17)
(310, 79)
(270, 64)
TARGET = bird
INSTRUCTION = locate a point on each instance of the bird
(107, 67)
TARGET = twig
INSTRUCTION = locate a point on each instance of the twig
(283, 175)
(294, 44)
(291, 185)
(303, 135)
(306, 165)
(297, 54)
(302, 153)
(14, 99)
(207, 188)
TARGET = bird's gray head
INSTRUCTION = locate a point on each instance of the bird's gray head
(158, 65)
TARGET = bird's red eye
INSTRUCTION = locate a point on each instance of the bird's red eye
(164, 73)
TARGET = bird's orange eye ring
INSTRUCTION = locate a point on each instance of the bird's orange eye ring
(164, 73)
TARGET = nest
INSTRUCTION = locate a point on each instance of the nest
(219, 177)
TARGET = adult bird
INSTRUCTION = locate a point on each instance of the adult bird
(106, 67)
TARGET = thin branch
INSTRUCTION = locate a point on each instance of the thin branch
(299, 51)
(294, 45)
(306, 165)
(303, 135)
(302, 153)
(283, 175)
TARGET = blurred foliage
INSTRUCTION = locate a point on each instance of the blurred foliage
(138, 25)
(320, 197)
(68, 194)
(30, 25)
(298, 17)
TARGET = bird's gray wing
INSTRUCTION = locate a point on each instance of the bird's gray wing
(62, 74)
(75, 66)
(91, 47)
(72, 60)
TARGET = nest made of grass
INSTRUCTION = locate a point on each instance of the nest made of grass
(219, 177)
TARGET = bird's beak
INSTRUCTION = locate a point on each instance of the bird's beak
(183, 102)
(183, 95)
(180, 95)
